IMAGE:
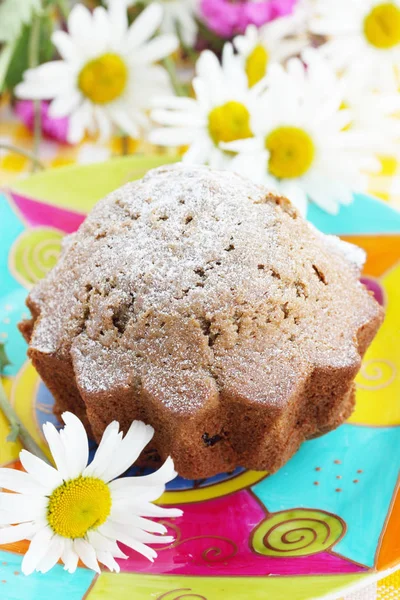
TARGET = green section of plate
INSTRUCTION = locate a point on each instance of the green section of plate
(129, 586)
(80, 187)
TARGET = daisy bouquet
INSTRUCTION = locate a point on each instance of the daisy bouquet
(298, 94)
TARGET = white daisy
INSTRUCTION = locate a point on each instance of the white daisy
(363, 36)
(373, 114)
(220, 112)
(80, 511)
(179, 17)
(273, 42)
(107, 73)
(301, 146)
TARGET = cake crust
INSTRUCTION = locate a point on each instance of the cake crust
(204, 305)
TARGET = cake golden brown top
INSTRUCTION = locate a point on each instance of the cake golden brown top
(199, 271)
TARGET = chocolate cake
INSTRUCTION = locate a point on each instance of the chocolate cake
(204, 305)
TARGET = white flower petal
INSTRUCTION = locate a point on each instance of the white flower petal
(76, 444)
(127, 451)
(53, 554)
(147, 509)
(87, 554)
(141, 494)
(56, 448)
(64, 104)
(104, 453)
(107, 559)
(122, 117)
(19, 481)
(23, 531)
(144, 26)
(37, 549)
(124, 515)
(40, 471)
(162, 476)
(69, 556)
(158, 48)
(172, 136)
(65, 45)
(117, 532)
(175, 118)
(103, 544)
(79, 120)
(79, 22)
(18, 508)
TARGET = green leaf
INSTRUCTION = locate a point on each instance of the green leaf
(4, 360)
(6, 55)
(20, 59)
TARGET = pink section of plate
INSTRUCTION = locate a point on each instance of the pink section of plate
(40, 214)
(214, 538)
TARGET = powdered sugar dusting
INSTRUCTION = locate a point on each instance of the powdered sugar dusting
(178, 285)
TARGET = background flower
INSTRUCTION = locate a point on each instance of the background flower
(179, 17)
(220, 112)
(107, 73)
(301, 146)
(79, 511)
(229, 18)
(52, 127)
(363, 37)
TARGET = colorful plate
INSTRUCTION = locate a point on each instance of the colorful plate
(325, 524)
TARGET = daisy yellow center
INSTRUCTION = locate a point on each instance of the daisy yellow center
(256, 64)
(229, 122)
(103, 79)
(78, 505)
(382, 26)
(291, 152)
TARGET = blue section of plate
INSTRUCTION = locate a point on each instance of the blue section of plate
(14, 585)
(365, 215)
(342, 472)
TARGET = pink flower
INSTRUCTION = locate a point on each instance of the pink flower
(230, 17)
(55, 129)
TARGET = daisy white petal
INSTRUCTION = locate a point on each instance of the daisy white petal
(65, 45)
(76, 444)
(123, 120)
(144, 26)
(128, 451)
(146, 509)
(20, 508)
(37, 550)
(18, 481)
(163, 475)
(56, 448)
(63, 105)
(69, 556)
(87, 554)
(40, 471)
(53, 554)
(142, 494)
(171, 136)
(24, 531)
(104, 453)
(158, 48)
(79, 21)
(103, 544)
(125, 515)
(118, 532)
(106, 558)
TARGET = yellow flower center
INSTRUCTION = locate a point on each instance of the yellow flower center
(291, 152)
(78, 505)
(103, 79)
(382, 26)
(229, 122)
(256, 65)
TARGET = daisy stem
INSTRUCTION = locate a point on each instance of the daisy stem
(169, 64)
(33, 62)
(17, 429)
(22, 152)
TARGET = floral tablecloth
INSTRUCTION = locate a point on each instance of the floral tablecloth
(385, 185)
